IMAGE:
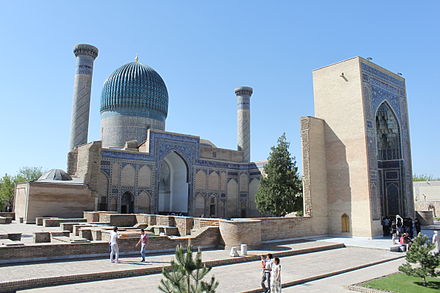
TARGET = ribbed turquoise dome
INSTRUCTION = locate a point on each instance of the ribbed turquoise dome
(135, 89)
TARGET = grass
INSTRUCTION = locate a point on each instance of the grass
(402, 283)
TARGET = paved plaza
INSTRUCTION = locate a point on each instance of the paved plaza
(321, 264)
(245, 276)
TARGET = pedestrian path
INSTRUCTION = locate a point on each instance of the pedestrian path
(245, 277)
(62, 272)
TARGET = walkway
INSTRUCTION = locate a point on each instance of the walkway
(244, 276)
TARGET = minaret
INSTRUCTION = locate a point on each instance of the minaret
(85, 55)
(243, 121)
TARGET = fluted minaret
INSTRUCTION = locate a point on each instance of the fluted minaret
(85, 56)
(243, 121)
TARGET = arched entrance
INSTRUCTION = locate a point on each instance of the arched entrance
(389, 155)
(345, 223)
(173, 185)
(127, 203)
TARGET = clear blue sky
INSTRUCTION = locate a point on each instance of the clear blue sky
(203, 49)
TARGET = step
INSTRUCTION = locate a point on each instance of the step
(27, 283)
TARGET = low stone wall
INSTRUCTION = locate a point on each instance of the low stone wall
(204, 222)
(165, 221)
(285, 227)
(94, 216)
(5, 220)
(433, 205)
(184, 224)
(45, 251)
(8, 214)
(425, 217)
(55, 222)
(239, 231)
(118, 220)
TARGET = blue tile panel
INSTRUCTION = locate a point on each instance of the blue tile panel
(135, 89)
(243, 102)
(380, 87)
(84, 64)
(161, 144)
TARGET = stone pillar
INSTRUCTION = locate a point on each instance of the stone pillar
(85, 55)
(243, 121)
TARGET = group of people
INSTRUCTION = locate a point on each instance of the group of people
(401, 230)
(404, 230)
(114, 247)
(397, 226)
(271, 278)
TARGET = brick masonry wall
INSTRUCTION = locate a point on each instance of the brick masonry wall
(8, 214)
(284, 228)
(209, 237)
(184, 224)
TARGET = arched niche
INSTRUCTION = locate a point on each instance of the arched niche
(388, 134)
(127, 203)
(173, 184)
(345, 223)
(127, 176)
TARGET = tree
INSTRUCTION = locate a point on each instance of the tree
(424, 177)
(7, 187)
(8, 183)
(280, 190)
(186, 275)
(420, 254)
(27, 174)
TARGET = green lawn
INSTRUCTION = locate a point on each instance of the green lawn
(402, 283)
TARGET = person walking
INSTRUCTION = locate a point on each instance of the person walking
(143, 242)
(393, 232)
(275, 276)
(436, 242)
(114, 248)
(266, 273)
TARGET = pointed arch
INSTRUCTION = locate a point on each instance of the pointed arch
(388, 133)
(345, 223)
(144, 176)
(213, 181)
(200, 180)
(127, 176)
(173, 184)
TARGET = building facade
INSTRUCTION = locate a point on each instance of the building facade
(361, 146)
(138, 167)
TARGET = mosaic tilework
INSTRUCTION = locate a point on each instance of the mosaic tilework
(188, 148)
(136, 89)
(380, 87)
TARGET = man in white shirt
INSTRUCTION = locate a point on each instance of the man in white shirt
(114, 235)
(266, 273)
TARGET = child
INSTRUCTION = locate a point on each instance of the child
(276, 276)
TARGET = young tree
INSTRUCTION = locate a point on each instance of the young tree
(425, 262)
(186, 275)
(8, 183)
(280, 190)
(7, 186)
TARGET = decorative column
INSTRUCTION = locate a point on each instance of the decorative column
(243, 121)
(85, 56)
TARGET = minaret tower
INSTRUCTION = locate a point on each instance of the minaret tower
(243, 121)
(85, 56)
